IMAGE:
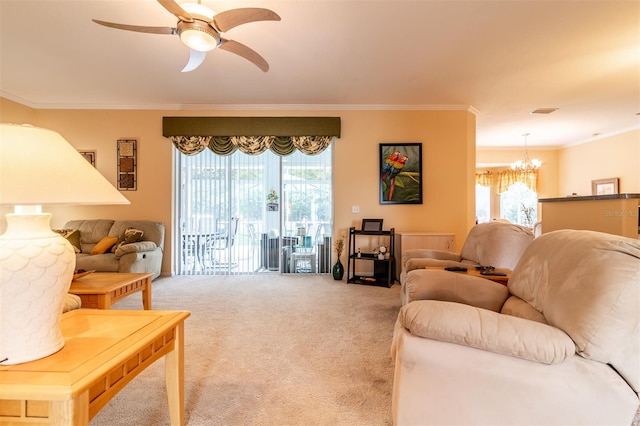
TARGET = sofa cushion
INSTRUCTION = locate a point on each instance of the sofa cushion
(517, 307)
(130, 235)
(420, 258)
(91, 231)
(104, 245)
(71, 302)
(71, 235)
(496, 244)
(486, 330)
(152, 231)
(118, 243)
(138, 247)
(588, 284)
(421, 284)
(98, 262)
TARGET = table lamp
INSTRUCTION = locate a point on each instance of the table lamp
(39, 167)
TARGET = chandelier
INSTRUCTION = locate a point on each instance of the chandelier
(526, 165)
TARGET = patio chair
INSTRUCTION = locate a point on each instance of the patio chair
(221, 240)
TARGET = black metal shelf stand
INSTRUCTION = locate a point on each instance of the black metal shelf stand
(383, 269)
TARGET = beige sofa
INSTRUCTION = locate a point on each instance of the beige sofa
(71, 302)
(141, 256)
(559, 345)
(496, 244)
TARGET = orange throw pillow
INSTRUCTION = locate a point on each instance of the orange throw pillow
(105, 244)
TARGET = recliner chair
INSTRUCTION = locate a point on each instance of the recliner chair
(497, 244)
(559, 345)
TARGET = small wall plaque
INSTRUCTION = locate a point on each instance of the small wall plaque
(127, 165)
(90, 156)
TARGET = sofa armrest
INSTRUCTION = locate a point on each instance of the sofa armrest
(421, 263)
(486, 330)
(429, 254)
(71, 302)
(138, 247)
(429, 284)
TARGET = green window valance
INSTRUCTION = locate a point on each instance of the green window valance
(251, 135)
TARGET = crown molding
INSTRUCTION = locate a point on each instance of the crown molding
(241, 107)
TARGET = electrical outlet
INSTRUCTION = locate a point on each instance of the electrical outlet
(355, 209)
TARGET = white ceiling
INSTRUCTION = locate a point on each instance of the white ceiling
(502, 59)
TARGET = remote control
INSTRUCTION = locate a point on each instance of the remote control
(493, 273)
(455, 269)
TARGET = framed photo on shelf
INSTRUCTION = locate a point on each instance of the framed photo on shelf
(604, 186)
(372, 225)
(127, 165)
(400, 173)
(90, 156)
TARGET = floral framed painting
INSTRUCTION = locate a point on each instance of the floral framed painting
(607, 186)
(400, 173)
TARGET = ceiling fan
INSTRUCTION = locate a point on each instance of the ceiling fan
(199, 29)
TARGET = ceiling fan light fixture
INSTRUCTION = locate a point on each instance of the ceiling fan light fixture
(198, 35)
(199, 10)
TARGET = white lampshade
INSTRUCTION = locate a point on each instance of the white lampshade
(37, 166)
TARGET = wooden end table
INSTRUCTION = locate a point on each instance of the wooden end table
(103, 351)
(471, 270)
(100, 290)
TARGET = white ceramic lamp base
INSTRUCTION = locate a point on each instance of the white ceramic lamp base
(36, 269)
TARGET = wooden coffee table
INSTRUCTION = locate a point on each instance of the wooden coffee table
(103, 351)
(502, 279)
(100, 290)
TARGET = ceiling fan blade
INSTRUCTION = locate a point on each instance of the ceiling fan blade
(226, 20)
(195, 59)
(137, 28)
(176, 9)
(244, 51)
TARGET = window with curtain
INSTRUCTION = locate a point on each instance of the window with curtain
(519, 204)
(242, 213)
(517, 191)
(253, 192)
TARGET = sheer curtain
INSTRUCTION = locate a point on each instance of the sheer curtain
(226, 214)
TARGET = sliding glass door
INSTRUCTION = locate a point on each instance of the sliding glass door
(246, 214)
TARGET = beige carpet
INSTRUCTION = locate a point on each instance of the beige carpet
(270, 350)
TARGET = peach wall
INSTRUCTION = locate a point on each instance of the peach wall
(571, 169)
(12, 112)
(613, 156)
(448, 139)
(547, 176)
(447, 149)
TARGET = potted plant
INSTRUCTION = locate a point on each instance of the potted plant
(338, 268)
(272, 201)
